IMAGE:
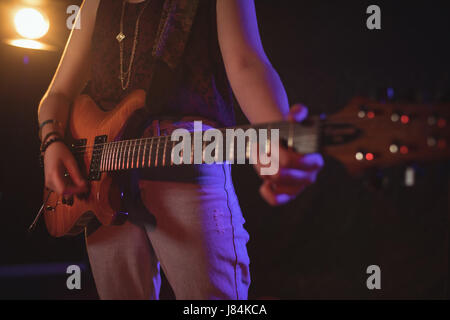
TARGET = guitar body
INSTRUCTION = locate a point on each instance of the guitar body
(90, 125)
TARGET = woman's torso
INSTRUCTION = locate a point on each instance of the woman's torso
(203, 89)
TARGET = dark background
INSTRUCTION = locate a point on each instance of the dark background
(318, 246)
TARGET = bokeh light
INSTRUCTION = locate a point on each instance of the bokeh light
(31, 24)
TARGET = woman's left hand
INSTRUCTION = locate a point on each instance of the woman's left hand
(296, 171)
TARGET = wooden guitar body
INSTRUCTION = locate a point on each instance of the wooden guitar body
(90, 126)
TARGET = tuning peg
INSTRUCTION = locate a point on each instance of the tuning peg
(400, 117)
(364, 156)
(399, 148)
(366, 112)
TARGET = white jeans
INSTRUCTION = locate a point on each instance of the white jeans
(197, 237)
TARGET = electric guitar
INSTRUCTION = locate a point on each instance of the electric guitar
(362, 135)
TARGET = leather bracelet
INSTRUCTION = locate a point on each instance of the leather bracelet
(50, 142)
(42, 124)
(48, 135)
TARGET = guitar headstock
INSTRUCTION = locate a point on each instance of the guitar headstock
(369, 134)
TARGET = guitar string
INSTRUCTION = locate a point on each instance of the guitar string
(147, 139)
(276, 125)
(127, 144)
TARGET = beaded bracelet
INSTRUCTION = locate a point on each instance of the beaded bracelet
(49, 142)
(48, 135)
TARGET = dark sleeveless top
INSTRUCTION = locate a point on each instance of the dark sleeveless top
(203, 89)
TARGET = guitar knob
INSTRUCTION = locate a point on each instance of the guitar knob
(50, 208)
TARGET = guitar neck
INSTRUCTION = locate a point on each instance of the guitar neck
(235, 145)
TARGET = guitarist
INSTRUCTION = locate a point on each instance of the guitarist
(197, 235)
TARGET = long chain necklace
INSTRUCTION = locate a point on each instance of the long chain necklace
(120, 37)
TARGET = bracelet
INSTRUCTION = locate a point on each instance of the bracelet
(53, 133)
(50, 121)
(50, 142)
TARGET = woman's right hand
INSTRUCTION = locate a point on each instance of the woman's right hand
(58, 162)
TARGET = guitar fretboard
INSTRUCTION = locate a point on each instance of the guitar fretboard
(159, 151)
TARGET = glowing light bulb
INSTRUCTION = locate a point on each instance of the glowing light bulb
(31, 24)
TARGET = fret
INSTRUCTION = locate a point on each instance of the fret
(134, 158)
(118, 155)
(164, 152)
(129, 143)
(112, 154)
(143, 155)
(112, 151)
(138, 153)
(131, 153)
(107, 154)
(157, 151)
(150, 153)
(123, 154)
